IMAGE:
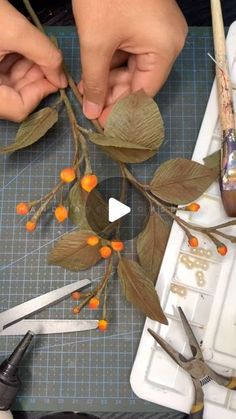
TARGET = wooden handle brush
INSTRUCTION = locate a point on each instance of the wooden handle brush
(226, 113)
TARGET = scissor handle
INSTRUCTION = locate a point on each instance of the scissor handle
(232, 383)
(197, 411)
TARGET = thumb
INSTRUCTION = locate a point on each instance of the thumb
(20, 36)
(95, 71)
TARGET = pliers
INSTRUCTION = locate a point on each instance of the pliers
(199, 371)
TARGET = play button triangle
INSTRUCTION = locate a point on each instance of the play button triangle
(117, 210)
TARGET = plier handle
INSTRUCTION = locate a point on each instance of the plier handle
(199, 371)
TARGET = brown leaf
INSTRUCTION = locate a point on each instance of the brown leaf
(133, 131)
(180, 181)
(213, 161)
(139, 289)
(76, 201)
(73, 253)
(88, 211)
(32, 129)
(151, 244)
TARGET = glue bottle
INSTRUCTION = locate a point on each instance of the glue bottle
(9, 380)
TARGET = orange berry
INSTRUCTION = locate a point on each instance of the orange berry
(102, 325)
(92, 240)
(193, 241)
(76, 310)
(61, 213)
(75, 295)
(30, 226)
(89, 182)
(94, 303)
(22, 208)
(68, 174)
(222, 250)
(194, 207)
(117, 245)
(105, 252)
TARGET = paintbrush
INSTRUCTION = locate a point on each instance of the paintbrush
(226, 113)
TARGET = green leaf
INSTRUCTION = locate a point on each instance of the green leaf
(151, 244)
(213, 161)
(134, 129)
(139, 289)
(180, 181)
(72, 251)
(32, 129)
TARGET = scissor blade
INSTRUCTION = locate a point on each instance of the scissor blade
(175, 355)
(48, 327)
(193, 343)
(34, 305)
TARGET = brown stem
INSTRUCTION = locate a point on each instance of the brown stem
(33, 15)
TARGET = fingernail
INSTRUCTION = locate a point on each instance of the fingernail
(91, 110)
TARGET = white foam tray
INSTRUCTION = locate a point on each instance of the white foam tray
(211, 308)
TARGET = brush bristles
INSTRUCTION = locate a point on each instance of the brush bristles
(229, 202)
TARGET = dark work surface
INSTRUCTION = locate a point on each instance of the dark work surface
(182, 101)
(197, 12)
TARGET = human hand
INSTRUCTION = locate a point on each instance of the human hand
(126, 45)
(30, 65)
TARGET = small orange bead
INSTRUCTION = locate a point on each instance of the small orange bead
(30, 226)
(92, 240)
(61, 213)
(117, 245)
(222, 250)
(194, 207)
(105, 252)
(75, 295)
(89, 182)
(76, 310)
(22, 208)
(68, 174)
(94, 303)
(103, 325)
(193, 241)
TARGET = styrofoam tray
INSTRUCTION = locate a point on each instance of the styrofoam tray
(211, 308)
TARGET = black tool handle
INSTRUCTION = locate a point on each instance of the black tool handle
(197, 411)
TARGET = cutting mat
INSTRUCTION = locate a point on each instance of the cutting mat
(85, 371)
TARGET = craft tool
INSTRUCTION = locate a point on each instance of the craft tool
(210, 307)
(199, 371)
(9, 380)
(16, 314)
(226, 112)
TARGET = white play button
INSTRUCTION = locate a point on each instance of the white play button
(117, 210)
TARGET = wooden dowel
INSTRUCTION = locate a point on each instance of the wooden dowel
(225, 93)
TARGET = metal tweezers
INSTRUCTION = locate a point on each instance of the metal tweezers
(199, 371)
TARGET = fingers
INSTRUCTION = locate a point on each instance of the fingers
(95, 68)
(20, 104)
(19, 35)
(149, 72)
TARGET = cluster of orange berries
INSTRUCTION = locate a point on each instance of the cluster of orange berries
(106, 251)
(221, 248)
(67, 175)
(93, 304)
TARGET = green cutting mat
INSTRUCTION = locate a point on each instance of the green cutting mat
(86, 371)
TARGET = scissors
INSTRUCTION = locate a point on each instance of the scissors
(199, 371)
(13, 322)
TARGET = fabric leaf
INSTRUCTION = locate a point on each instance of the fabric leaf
(32, 129)
(139, 289)
(151, 244)
(72, 251)
(213, 161)
(180, 181)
